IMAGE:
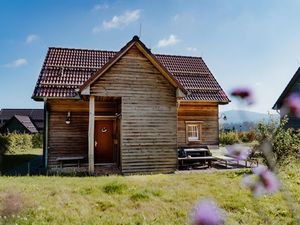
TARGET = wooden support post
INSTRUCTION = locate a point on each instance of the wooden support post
(91, 133)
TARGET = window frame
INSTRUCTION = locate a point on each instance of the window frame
(198, 124)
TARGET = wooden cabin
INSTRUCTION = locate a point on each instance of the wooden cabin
(292, 87)
(130, 109)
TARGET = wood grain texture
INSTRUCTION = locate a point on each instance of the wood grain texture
(149, 114)
(72, 139)
(207, 114)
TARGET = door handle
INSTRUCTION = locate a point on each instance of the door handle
(96, 143)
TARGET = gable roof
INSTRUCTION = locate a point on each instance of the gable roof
(24, 121)
(65, 70)
(135, 41)
(34, 114)
(288, 89)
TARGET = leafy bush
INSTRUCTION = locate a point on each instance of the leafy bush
(251, 135)
(284, 142)
(37, 140)
(19, 142)
(4, 144)
(228, 138)
(243, 137)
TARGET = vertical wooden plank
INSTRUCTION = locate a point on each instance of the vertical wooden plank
(46, 134)
(91, 133)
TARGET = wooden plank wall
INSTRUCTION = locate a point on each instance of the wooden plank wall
(72, 139)
(149, 113)
(208, 113)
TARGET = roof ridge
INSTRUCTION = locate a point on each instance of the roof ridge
(83, 49)
(181, 56)
(112, 51)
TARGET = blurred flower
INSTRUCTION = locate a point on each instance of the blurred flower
(238, 151)
(244, 94)
(206, 212)
(262, 182)
(12, 204)
(292, 104)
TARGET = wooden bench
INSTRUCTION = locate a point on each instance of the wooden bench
(70, 158)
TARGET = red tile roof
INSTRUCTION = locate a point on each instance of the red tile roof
(65, 70)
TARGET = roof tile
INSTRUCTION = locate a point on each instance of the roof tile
(66, 69)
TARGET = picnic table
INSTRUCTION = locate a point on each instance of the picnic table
(194, 156)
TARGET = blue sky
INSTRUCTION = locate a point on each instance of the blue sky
(245, 43)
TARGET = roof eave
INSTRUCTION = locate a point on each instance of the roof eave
(44, 98)
(204, 101)
(278, 103)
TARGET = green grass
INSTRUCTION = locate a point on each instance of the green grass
(11, 161)
(152, 199)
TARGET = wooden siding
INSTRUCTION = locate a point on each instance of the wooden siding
(207, 114)
(149, 114)
(72, 139)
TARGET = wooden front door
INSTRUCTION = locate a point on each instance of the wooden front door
(104, 141)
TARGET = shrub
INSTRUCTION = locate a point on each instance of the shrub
(4, 144)
(251, 135)
(19, 142)
(243, 137)
(37, 140)
(284, 142)
(228, 138)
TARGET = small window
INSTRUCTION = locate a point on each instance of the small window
(193, 131)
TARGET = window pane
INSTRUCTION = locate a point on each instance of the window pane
(193, 132)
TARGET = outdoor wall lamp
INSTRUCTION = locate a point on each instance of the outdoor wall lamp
(68, 118)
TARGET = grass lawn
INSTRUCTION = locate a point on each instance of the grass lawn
(151, 199)
(11, 161)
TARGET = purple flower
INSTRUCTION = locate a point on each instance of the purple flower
(244, 94)
(262, 182)
(207, 212)
(238, 151)
(292, 104)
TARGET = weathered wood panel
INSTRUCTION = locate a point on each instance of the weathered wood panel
(71, 139)
(149, 114)
(208, 114)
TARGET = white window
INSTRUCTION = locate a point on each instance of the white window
(193, 131)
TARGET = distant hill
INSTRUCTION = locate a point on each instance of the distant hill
(243, 120)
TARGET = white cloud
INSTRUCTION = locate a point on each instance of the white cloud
(99, 7)
(191, 49)
(119, 21)
(172, 40)
(32, 38)
(16, 63)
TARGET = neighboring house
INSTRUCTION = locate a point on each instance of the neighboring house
(131, 109)
(36, 116)
(19, 124)
(293, 86)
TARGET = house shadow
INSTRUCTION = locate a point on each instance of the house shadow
(21, 165)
